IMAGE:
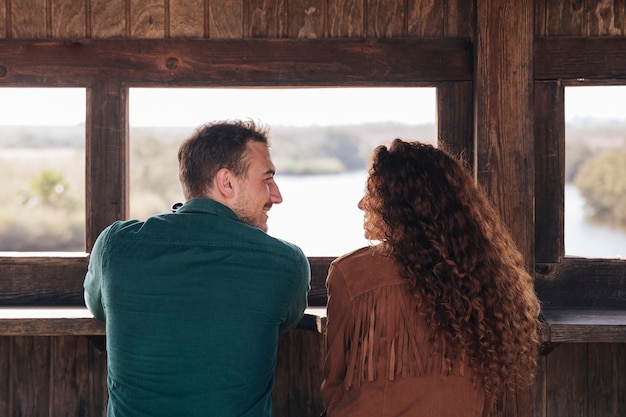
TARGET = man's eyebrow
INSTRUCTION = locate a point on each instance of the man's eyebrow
(270, 172)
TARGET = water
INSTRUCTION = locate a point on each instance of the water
(319, 213)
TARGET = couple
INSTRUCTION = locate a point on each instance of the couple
(437, 319)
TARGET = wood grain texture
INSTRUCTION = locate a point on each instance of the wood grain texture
(580, 58)
(345, 18)
(28, 19)
(69, 379)
(455, 119)
(549, 110)
(40, 280)
(108, 19)
(504, 114)
(582, 283)
(585, 325)
(566, 381)
(30, 376)
(306, 19)
(5, 375)
(107, 184)
(264, 19)
(425, 18)
(564, 17)
(458, 18)
(69, 19)
(226, 19)
(607, 379)
(386, 18)
(186, 18)
(237, 62)
(606, 17)
(3, 24)
(147, 19)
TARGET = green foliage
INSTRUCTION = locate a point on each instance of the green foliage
(602, 182)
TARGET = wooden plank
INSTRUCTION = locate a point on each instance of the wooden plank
(28, 19)
(606, 18)
(582, 283)
(565, 18)
(147, 19)
(504, 114)
(305, 359)
(458, 18)
(60, 321)
(607, 379)
(98, 391)
(306, 19)
(503, 86)
(107, 184)
(541, 17)
(319, 271)
(3, 23)
(108, 19)
(425, 18)
(264, 19)
(5, 372)
(69, 19)
(238, 62)
(30, 376)
(550, 171)
(580, 58)
(69, 375)
(386, 18)
(586, 326)
(226, 19)
(186, 18)
(41, 280)
(566, 381)
(455, 119)
(346, 18)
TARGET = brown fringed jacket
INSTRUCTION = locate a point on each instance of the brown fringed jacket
(379, 361)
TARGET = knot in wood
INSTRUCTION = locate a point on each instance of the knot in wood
(3, 71)
(171, 63)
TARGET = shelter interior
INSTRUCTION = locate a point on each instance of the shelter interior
(499, 69)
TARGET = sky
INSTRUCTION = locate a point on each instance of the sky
(293, 107)
(192, 107)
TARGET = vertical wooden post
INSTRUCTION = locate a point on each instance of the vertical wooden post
(107, 157)
(504, 63)
(455, 125)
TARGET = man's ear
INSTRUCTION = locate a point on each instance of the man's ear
(225, 183)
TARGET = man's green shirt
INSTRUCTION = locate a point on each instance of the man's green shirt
(194, 303)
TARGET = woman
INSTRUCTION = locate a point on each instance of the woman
(440, 317)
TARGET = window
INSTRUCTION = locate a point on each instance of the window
(42, 164)
(321, 141)
(595, 172)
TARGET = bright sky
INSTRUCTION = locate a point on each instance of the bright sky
(295, 107)
(192, 107)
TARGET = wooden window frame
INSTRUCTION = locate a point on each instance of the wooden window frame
(109, 68)
(569, 282)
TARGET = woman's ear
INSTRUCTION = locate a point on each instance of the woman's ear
(224, 183)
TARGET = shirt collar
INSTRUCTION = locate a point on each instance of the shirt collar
(207, 205)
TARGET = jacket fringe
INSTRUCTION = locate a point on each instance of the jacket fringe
(388, 326)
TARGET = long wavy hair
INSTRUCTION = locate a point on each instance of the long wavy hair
(459, 258)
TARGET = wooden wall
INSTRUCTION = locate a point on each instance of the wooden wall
(511, 48)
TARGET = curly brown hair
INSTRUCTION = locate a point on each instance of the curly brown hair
(461, 261)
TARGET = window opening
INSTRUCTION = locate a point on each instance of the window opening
(42, 166)
(321, 142)
(595, 171)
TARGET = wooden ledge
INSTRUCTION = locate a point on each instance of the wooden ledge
(584, 325)
(78, 321)
(49, 321)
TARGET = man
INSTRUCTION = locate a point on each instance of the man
(194, 301)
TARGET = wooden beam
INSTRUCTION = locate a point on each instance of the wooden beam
(572, 58)
(251, 62)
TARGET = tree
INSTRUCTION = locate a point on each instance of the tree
(602, 182)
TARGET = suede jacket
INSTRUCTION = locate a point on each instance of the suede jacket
(379, 361)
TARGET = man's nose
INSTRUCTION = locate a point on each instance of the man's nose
(275, 195)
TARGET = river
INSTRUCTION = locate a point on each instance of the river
(319, 213)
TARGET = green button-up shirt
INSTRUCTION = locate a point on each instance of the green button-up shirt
(194, 303)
